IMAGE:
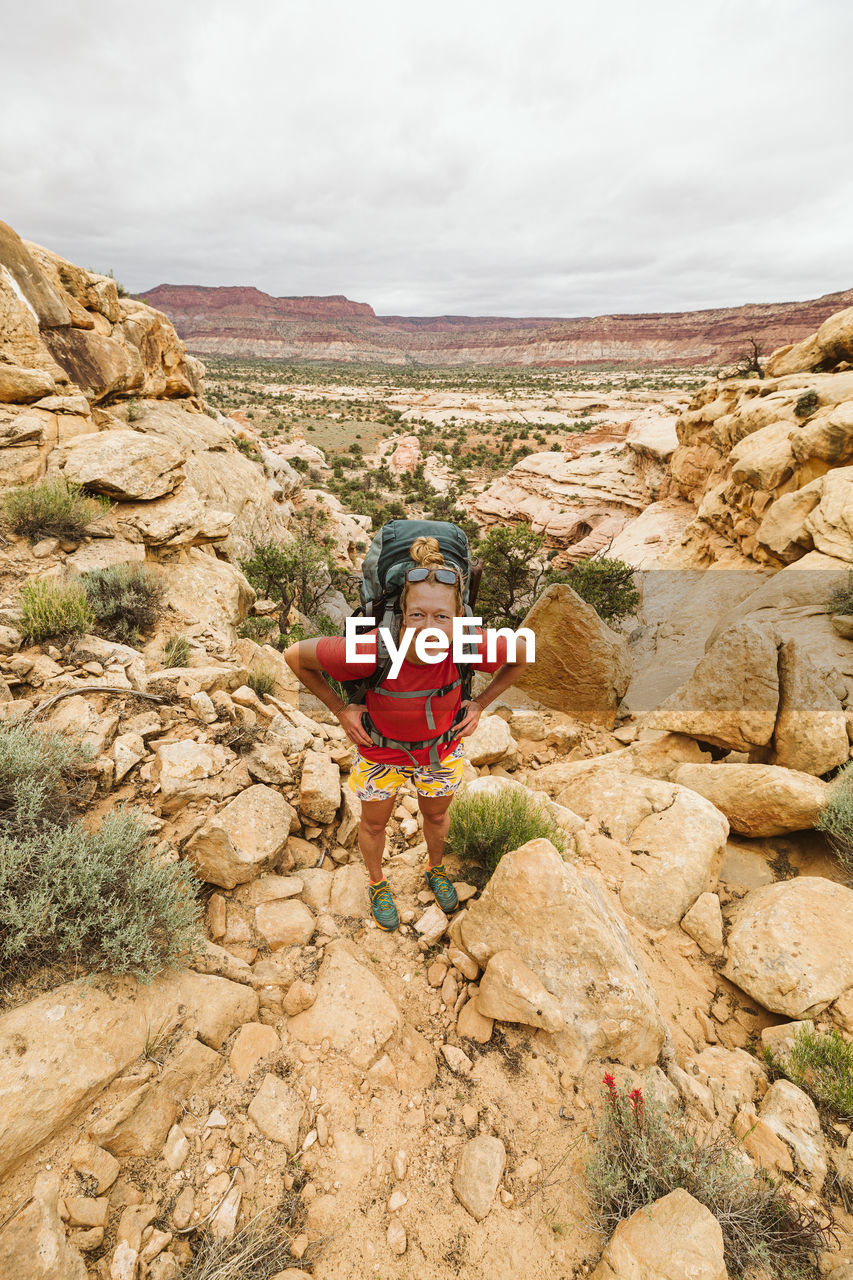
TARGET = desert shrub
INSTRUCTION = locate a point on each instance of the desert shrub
(54, 609)
(54, 508)
(177, 652)
(126, 600)
(258, 1251)
(841, 599)
(258, 629)
(39, 775)
(641, 1154)
(607, 584)
(835, 818)
(822, 1065)
(807, 404)
(262, 682)
(485, 827)
(68, 895)
(248, 448)
(100, 899)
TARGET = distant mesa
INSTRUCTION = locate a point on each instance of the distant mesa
(244, 321)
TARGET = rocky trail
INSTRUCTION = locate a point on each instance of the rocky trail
(422, 1102)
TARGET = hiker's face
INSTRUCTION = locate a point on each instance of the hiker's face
(429, 604)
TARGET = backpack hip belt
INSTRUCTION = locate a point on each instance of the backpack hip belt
(433, 743)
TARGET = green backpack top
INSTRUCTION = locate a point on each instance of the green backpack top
(383, 576)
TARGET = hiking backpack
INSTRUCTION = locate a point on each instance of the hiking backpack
(383, 575)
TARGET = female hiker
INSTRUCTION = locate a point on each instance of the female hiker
(430, 598)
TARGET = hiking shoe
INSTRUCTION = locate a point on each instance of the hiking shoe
(382, 905)
(445, 895)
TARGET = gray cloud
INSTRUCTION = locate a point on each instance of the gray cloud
(470, 156)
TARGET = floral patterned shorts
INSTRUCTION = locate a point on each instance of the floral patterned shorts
(373, 781)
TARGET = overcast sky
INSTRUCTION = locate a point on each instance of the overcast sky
(502, 157)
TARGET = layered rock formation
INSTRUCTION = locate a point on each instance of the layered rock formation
(247, 322)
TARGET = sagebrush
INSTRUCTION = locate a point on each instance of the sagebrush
(642, 1153)
(835, 818)
(54, 508)
(262, 682)
(485, 827)
(821, 1064)
(54, 609)
(126, 600)
(101, 899)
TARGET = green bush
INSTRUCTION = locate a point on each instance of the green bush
(54, 609)
(39, 776)
(126, 600)
(641, 1153)
(485, 827)
(262, 682)
(607, 584)
(841, 599)
(177, 652)
(54, 508)
(807, 404)
(248, 448)
(821, 1065)
(258, 629)
(99, 899)
(835, 818)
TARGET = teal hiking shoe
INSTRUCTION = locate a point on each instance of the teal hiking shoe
(382, 905)
(445, 895)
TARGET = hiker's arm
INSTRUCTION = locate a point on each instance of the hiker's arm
(305, 665)
(503, 678)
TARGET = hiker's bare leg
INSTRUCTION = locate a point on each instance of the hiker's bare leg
(371, 834)
(436, 825)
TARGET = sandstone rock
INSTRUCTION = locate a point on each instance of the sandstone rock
(472, 1024)
(203, 588)
(300, 996)
(266, 762)
(124, 464)
(94, 1162)
(316, 887)
(780, 1040)
(758, 799)
(396, 1237)
(582, 666)
(732, 697)
(733, 1076)
(676, 838)
(489, 742)
(558, 923)
(704, 923)
(176, 1148)
(810, 733)
(349, 892)
(479, 1169)
(432, 924)
(254, 1042)
(62, 1048)
(269, 888)
(278, 1112)
(128, 751)
(788, 945)
(284, 923)
(190, 771)
(319, 787)
(511, 992)
(138, 1124)
(460, 1064)
(245, 837)
(33, 1244)
(676, 1238)
(352, 1010)
(761, 1144)
(793, 1117)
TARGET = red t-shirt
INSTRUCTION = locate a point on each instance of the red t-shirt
(405, 718)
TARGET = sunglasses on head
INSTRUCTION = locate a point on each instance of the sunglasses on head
(441, 575)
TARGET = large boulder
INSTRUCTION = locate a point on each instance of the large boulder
(245, 838)
(758, 799)
(124, 464)
(489, 742)
(811, 732)
(789, 945)
(558, 922)
(676, 1238)
(732, 697)
(793, 1117)
(203, 588)
(582, 666)
(352, 1010)
(675, 837)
